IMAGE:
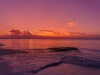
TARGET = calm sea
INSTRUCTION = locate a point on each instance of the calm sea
(46, 43)
(38, 56)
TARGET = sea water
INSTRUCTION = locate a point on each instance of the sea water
(38, 55)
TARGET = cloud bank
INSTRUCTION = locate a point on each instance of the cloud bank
(46, 33)
(19, 32)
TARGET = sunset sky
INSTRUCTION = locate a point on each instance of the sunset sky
(51, 17)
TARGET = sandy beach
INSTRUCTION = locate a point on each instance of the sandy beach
(68, 69)
(63, 69)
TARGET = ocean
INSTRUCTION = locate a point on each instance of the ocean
(38, 55)
(47, 43)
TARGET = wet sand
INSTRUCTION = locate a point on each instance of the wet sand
(68, 69)
(64, 69)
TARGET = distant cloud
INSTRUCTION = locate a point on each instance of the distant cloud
(15, 32)
(72, 24)
(61, 33)
(46, 30)
(50, 32)
(77, 33)
(19, 32)
(46, 33)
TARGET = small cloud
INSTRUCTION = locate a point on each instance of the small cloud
(72, 24)
(46, 30)
(77, 33)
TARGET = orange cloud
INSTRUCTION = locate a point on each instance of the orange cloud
(77, 33)
(72, 24)
(46, 30)
(59, 33)
(15, 33)
(46, 33)
(50, 33)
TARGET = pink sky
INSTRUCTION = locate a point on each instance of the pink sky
(59, 16)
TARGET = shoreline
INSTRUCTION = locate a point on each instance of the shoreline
(69, 69)
(63, 69)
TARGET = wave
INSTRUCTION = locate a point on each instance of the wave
(93, 50)
(75, 58)
(82, 61)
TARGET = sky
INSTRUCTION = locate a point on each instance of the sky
(51, 17)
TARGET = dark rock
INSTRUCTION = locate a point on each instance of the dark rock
(60, 49)
(10, 51)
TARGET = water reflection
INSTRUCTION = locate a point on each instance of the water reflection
(45, 43)
(21, 63)
(17, 43)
